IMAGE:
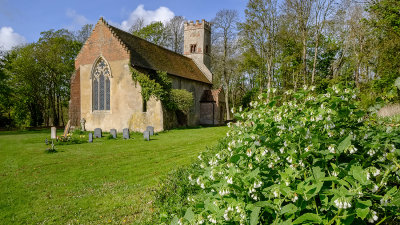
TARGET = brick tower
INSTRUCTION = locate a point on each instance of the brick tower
(197, 44)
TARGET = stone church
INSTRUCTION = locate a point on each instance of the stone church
(105, 96)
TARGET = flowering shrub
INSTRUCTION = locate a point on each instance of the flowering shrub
(299, 158)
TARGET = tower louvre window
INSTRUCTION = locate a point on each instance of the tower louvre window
(192, 48)
(101, 86)
(207, 49)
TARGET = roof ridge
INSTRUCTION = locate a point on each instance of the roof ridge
(147, 41)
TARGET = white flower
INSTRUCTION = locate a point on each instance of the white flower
(212, 219)
(375, 189)
(202, 186)
(295, 198)
(352, 149)
(368, 176)
(371, 152)
(282, 150)
(289, 159)
(373, 217)
(331, 148)
(199, 157)
(257, 184)
(249, 153)
(342, 204)
(276, 193)
(334, 173)
(308, 148)
(384, 201)
(264, 152)
(229, 180)
(376, 173)
(223, 192)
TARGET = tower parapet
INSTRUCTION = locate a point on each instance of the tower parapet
(197, 44)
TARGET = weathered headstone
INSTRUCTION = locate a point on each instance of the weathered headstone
(83, 121)
(97, 133)
(46, 141)
(53, 133)
(150, 129)
(90, 137)
(125, 133)
(146, 135)
(113, 132)
(66, 130)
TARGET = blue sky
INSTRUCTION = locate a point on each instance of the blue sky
(22, 21)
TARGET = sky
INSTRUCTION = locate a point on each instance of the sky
(22, 21)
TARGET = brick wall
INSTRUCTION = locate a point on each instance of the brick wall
(101, 42)
(74, 112)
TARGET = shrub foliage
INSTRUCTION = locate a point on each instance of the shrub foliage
(299, 158)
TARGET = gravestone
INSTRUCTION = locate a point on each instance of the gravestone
(113, 132)
(83, 121)
(53, 133)
(97, 133)
(90, 137)
(46, 141)
(146, 135)
(150, 129)
(66, 130)
(125, 133)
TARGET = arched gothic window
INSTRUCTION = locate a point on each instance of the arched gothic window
(101, 75)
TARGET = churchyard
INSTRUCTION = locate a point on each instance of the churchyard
(107, 181)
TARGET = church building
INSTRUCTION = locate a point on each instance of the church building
(104, 94)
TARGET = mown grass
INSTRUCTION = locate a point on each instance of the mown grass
(108, 181)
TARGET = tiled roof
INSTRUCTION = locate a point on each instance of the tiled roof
(150, 56)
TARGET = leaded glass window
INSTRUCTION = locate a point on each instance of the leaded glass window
(101, 85)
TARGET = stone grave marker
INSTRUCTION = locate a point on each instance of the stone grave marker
(125, 133)
(46, 141)
(90, 137)
(97, 133)
(53, 133)
(146, 135)
(113, 132)
(150, 129)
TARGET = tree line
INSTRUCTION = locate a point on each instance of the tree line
(278, 44)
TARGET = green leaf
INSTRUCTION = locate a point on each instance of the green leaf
(359, 174)
(362, 213)
(308, 217)
(189, 215)
(318, 173)
(289, 209)
(254, 215)
(345, 144)
(175, 221)
(264, 204)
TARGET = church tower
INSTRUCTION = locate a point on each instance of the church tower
(197, 44)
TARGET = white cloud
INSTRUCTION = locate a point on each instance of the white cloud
(162, 14)
(9, 39)
(78, 20)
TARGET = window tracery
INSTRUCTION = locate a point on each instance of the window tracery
(101, 75)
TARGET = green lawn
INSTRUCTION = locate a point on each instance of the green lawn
(108, 181)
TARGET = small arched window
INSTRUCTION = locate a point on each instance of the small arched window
(101, 75)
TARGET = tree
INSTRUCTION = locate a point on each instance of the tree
(322, 9)
(299, 12)
(175, 29)
(224, 27)
(83, 34)
(155, 32)
(259, 35)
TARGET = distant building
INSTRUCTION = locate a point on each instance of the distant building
(104, 94)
